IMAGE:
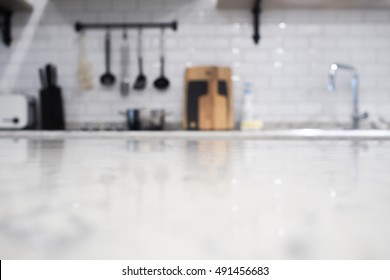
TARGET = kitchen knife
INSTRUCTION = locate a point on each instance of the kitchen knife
(53, 75)
(48, 75)
(42, 77)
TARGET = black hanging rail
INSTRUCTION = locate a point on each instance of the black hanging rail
(79, 26)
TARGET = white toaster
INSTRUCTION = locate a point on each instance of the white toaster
(17, 111)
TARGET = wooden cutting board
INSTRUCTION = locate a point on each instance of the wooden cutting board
(208, 103)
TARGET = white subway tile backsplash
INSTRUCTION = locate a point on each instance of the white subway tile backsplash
(256, 56)
(286, 56)
(124, 5)
(383, 110)
(369, 82)
(309, 29)
(298, 16)
(377, 16)
(350, 43)
(150, 6)
(383, 83)
(374, 96)
(99, 5)
(71, 5)
(288, 68)
(293, 69)
(336, 55)
(336, 30)
(262, 83)
(292, 95)
(283, 83)
(374, 44)
(368, 30)
(322, 43)
(271, 97)
(310, 82)
(284, 109)
(296, 43)
(344, 111)
(323, 16)
(382, 30)
(138, 16)
(362, 56)
(111, 16)
(375, 70)
(383, 56)
(310, 109)
(274, 16)
(350, 16)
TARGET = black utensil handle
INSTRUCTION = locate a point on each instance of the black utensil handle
(108, 51)
(162, 52)
(53, 75)
(48, 75)
(140, 52)
(140, 65)
(162, 70)
(139, 46)
(43, 78)
(125, 54)
(124, 61)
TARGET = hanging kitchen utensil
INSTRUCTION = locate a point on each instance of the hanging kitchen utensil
(125, 53)
(84, 67)
(108, 79)
(162, 83)
(140, 82)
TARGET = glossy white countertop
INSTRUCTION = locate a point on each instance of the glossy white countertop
(179, 134)
(170, 196)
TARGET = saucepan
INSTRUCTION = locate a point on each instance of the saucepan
(145, 119)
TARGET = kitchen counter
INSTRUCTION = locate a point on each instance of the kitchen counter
(178, 134)
(195, 195)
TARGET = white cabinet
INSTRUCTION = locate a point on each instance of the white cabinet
(7, 8)
(16, 5)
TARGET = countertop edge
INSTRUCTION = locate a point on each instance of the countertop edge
(309, 134)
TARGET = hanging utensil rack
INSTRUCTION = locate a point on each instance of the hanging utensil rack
(79, 26)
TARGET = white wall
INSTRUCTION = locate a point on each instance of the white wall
(288, 69)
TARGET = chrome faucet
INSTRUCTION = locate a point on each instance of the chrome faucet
(356, 116)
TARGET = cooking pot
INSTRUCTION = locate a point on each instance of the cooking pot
(145, 119)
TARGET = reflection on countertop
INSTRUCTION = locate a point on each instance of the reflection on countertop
(71, 198)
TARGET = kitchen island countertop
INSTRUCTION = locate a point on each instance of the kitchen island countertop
(195, 195)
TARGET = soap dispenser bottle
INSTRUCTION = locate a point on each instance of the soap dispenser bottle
(247, 104)
(248, 118)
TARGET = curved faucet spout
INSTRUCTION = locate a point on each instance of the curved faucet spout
(356, 117)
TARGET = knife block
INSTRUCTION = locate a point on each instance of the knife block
(208, 102)
(52, 110)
